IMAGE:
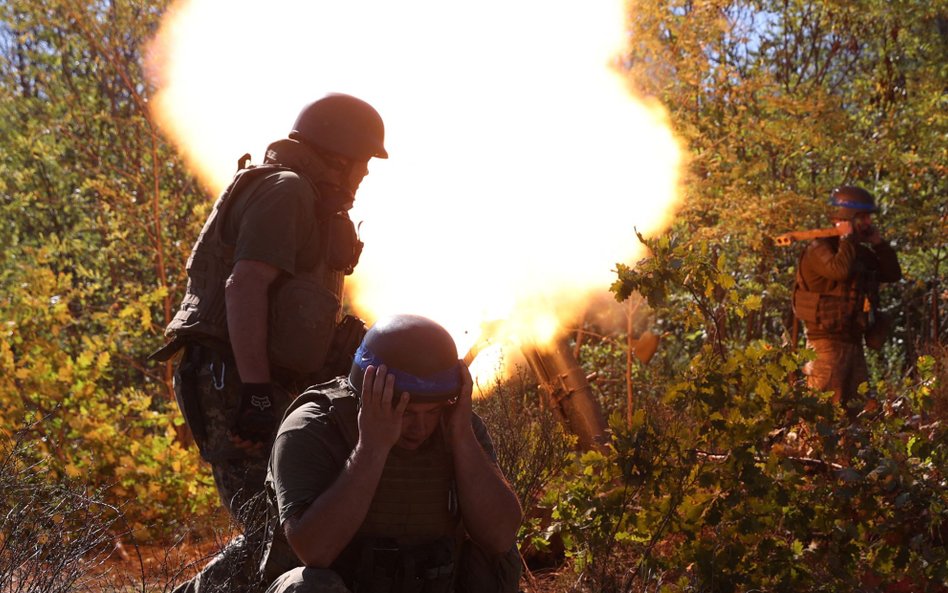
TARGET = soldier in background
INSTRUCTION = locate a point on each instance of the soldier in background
(261, 318)
(836, 295)
(385, 481)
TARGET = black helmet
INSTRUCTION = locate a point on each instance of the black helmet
(419, 352)
(344, 125)
(850, 200)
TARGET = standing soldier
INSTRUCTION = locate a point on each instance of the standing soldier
(836, 295)
(261, 317)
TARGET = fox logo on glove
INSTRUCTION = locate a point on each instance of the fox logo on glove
(261, 402)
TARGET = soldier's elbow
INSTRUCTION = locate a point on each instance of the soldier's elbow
(311, 551)
(313, 556)
(498, 545)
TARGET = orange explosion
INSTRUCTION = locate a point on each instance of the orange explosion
(519, 167)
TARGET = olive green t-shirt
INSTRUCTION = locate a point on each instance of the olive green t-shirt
(310, 452)
(274, 221)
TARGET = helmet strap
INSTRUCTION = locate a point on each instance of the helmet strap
(339, 164)
(314, 164)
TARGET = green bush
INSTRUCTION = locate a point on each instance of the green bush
(738, 477)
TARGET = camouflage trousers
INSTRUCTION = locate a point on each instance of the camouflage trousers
(207, 388)
(839, 367)
(476, 574)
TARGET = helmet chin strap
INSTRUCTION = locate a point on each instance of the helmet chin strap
(335, 197)
(328, 172)
(342, 168)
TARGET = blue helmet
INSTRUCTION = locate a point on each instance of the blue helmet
(417, 351)
(850, 200)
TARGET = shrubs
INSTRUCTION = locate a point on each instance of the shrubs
(732, 475)
(53, 533)
(714, 496)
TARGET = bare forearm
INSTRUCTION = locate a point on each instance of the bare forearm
(332, 520)
(489, 507)
(246, 298)
(326, 527)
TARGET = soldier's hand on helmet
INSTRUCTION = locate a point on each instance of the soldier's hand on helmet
(458, 416)
(844, 227)
(257, 418)
(380, 413)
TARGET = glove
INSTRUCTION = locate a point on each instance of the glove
(257, 417)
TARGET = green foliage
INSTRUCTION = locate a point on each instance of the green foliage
(93, 206)
(693, 291)
(91, 426)
(742, 479)
(779, 102)
(739, 477)
(736, 476)
(729, 475)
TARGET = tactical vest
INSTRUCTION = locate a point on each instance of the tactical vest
(841, 311)
(343, 407)
(408, 535)
(416, 498)
(304, 308)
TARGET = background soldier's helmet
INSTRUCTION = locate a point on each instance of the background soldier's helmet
(849, 200)
(419, 352)
(344, 125)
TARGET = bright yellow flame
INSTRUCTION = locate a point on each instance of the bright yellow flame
(520, 165)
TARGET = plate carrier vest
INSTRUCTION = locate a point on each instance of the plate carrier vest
(304, 308)
(842, 310)
(407, 540)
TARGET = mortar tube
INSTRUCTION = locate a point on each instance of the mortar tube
(566, 389)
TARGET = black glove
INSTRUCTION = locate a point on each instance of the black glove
(257, 418)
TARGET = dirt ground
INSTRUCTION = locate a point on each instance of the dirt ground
(157, 568)
(149, 568)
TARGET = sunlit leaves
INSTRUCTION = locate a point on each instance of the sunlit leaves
(779, 102)
(93, 208)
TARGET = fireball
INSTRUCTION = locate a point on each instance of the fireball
(520, 164)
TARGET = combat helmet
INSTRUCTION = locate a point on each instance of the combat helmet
(344, 125)
(419, 352)
(849, 200)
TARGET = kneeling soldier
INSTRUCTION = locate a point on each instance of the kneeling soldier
(386, 481)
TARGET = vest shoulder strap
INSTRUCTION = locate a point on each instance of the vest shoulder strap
(343, 406)
(244, 179)
(345, 413)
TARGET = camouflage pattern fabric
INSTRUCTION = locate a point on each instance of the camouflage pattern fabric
(208, 392)
(474, 572)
